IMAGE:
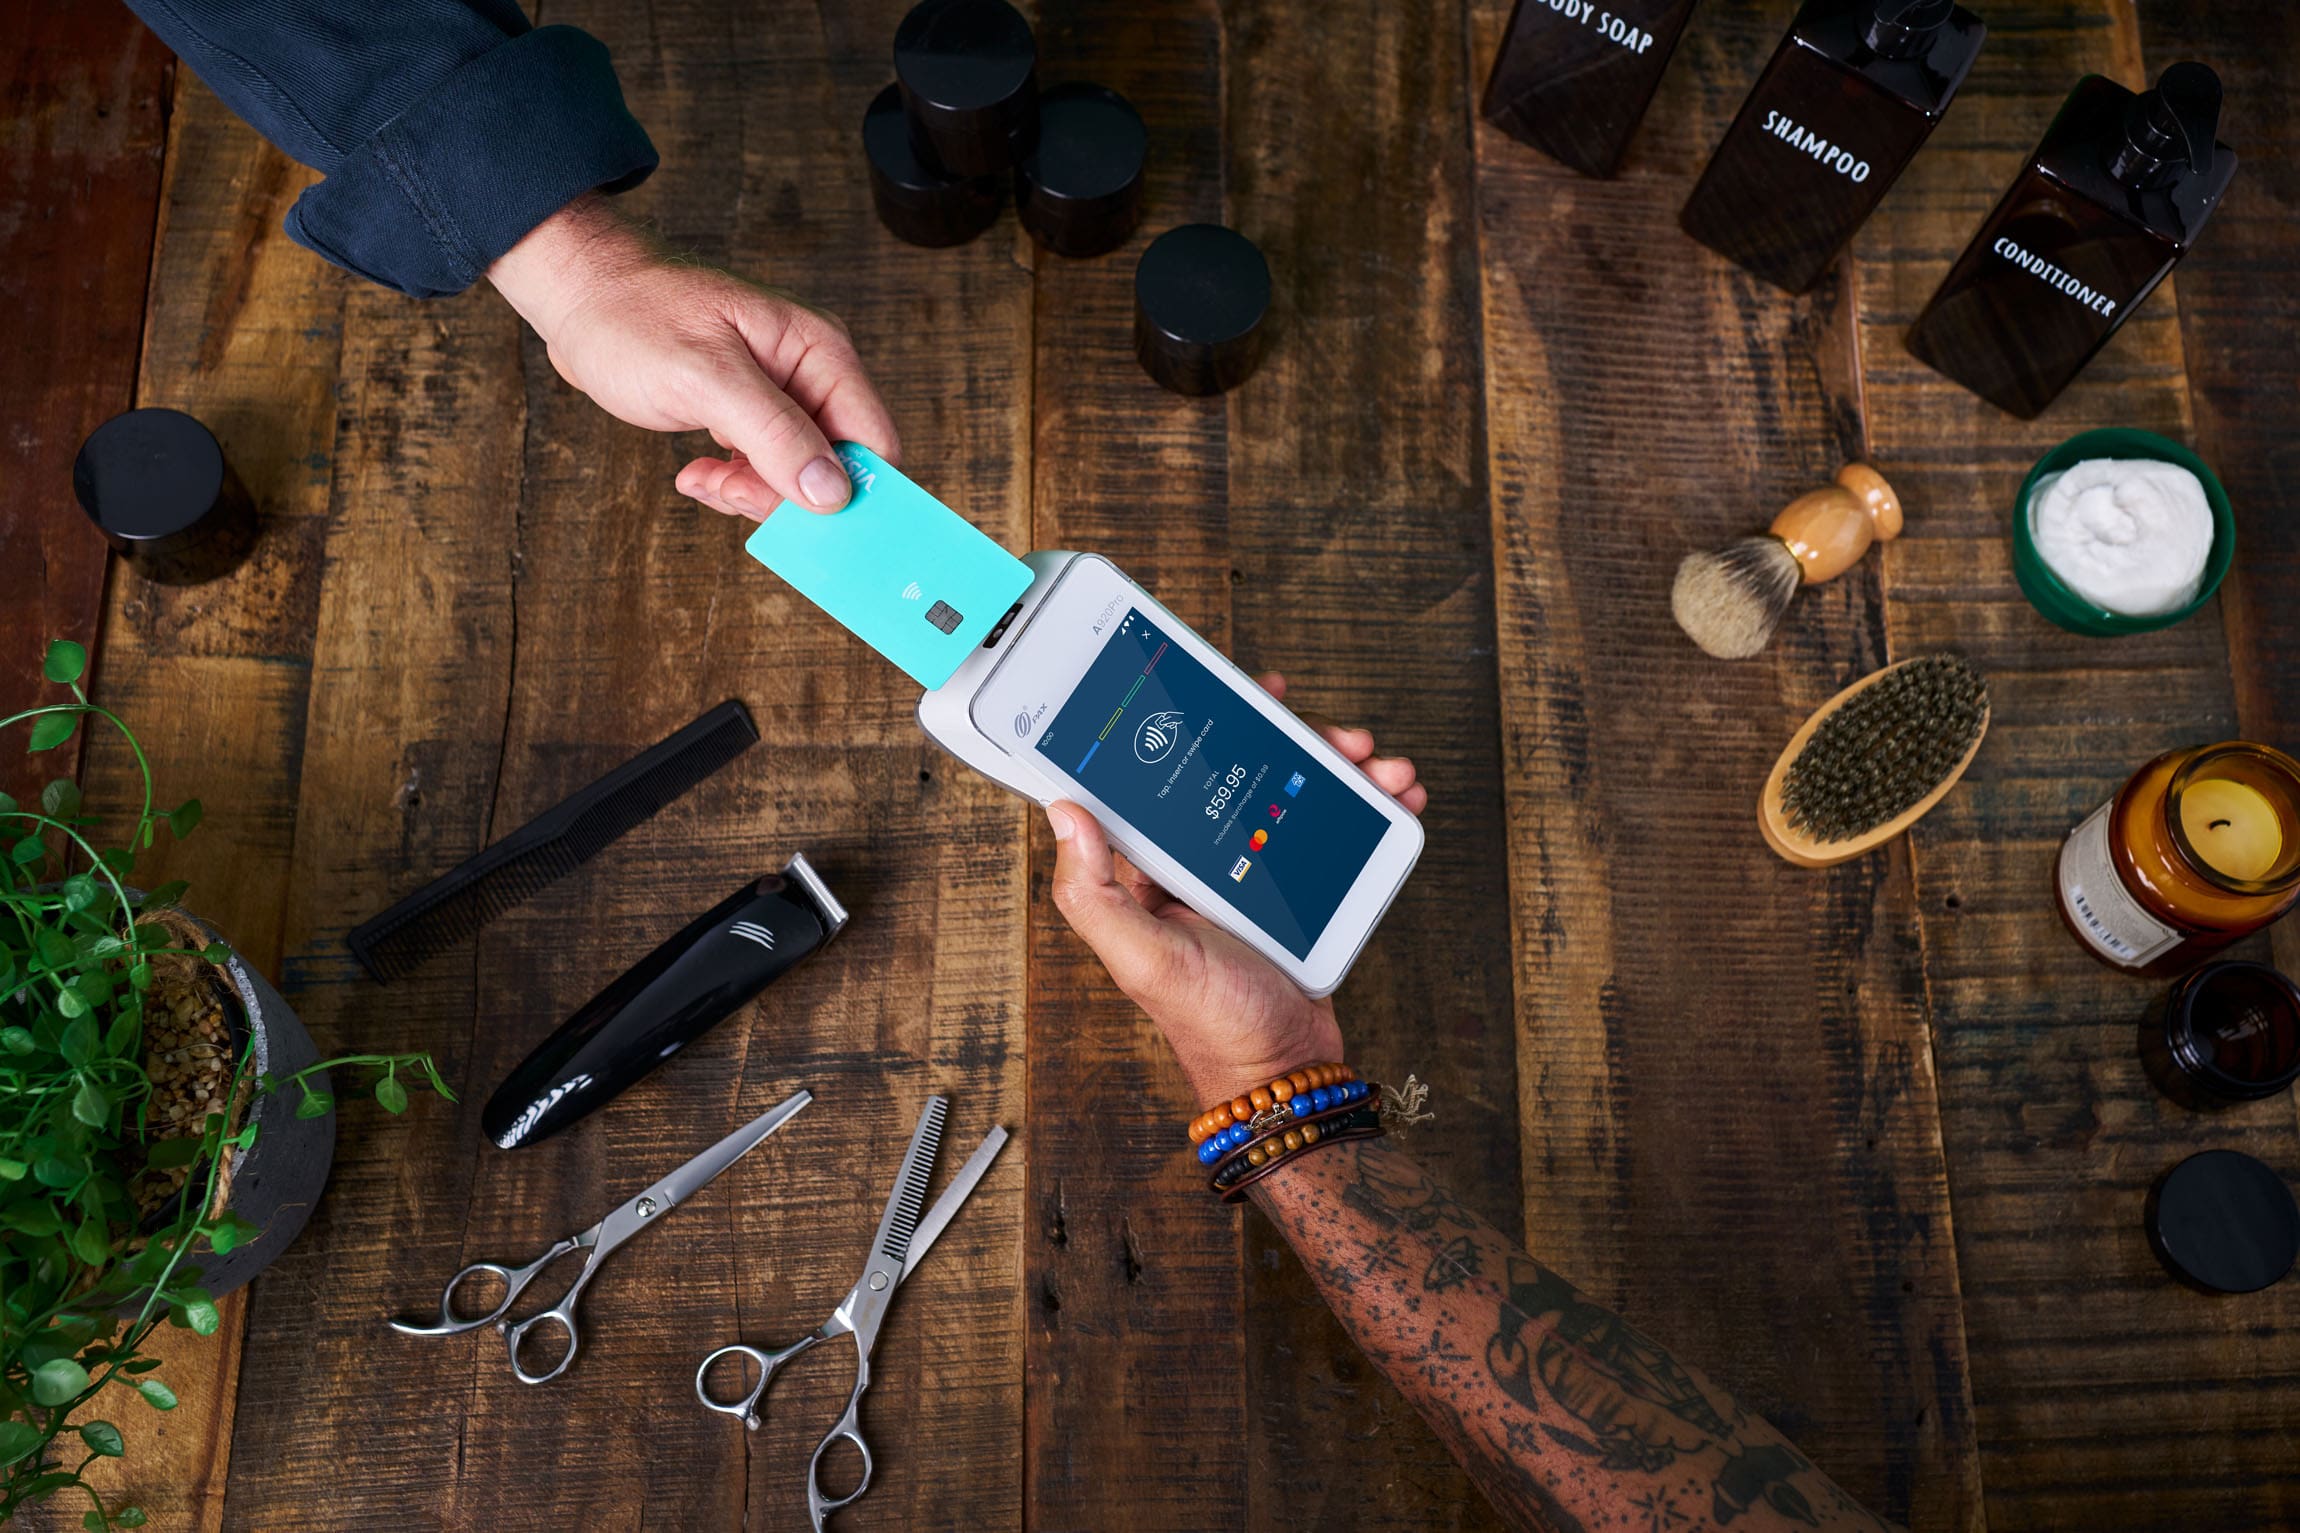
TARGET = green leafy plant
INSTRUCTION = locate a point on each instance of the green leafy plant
(86, 1272)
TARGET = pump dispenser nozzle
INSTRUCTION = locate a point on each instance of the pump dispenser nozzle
(2171, 128)
(1902, 29)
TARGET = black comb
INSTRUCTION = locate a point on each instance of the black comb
(553, 844)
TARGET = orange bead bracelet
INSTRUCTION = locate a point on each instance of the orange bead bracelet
(1244, 1109)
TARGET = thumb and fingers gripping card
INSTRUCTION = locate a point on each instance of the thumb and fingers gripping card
(902, 571)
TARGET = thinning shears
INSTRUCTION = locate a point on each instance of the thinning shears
(597, 1243)
(903, 1238)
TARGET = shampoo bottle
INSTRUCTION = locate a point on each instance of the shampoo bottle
(2102, 212)
(1849, 97)
(1573, 76)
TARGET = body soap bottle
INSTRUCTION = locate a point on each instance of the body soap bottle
(1849, 97)
(2102, 212)
(1573, 77)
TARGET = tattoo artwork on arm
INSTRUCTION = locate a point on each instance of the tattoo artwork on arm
(1566, 1415)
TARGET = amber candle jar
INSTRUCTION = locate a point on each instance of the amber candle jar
(2200, 848)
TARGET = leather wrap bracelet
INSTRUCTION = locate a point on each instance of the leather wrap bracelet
(1359, 1120)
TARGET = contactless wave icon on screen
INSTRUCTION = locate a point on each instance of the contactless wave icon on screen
(1154, 738)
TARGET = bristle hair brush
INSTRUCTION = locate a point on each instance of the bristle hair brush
(1729, 602)
(1872, 760)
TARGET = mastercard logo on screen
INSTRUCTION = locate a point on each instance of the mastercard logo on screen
(1259, 839)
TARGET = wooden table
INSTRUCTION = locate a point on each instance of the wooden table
(1870, 1144)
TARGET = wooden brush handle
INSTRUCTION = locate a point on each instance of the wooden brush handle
(1830, 528)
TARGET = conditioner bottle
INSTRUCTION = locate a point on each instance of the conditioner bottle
(2102, 212)
(1574, 76)
(1849, 97)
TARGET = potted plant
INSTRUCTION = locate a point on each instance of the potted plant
(165, 1121)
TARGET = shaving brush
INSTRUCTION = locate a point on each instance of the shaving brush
(1729, 602)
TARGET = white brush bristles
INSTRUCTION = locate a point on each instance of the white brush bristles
(1729, 602)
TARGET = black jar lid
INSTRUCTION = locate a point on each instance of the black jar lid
(918, 202)
(2224, 1222)
(148, 478)
(1201, 293)
(1079, 188)
(967, 72)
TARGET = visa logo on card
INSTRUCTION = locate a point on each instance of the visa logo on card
(902, 571)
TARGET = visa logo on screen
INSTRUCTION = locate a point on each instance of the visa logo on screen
(1238, 870)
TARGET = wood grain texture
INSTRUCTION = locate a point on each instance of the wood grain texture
(2105, 1396)
(2238, 310)
(1131, 1271)
(1361, 566)
(1726, 1095)
(81, 135)
(1501, 401)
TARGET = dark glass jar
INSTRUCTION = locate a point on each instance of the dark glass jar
(2227, 1033)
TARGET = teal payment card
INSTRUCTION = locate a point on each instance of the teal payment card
(902, 571)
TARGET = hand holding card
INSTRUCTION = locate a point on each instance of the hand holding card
(902, 571)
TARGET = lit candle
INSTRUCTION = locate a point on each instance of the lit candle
(2232, 826)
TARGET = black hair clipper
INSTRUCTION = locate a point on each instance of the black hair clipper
(665, 1001)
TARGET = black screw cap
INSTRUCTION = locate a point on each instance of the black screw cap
(156, 485)
(1078, 189)
(919, 202)
(967, 69)
(1201, 294)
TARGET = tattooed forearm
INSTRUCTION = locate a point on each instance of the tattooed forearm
(1565, 1415)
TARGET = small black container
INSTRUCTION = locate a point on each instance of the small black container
(156, 485)
(2223, 1222)
(1201, 293)
(2226, 1033)
(967, 69)
(1078, 189)
(918, 202)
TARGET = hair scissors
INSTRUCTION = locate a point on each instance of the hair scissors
(903, 1237)
(598, 1243)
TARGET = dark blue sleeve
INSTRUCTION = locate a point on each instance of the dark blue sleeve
(446, 129)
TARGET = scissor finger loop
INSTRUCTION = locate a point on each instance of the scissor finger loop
(750, 1407)
(848, 1430)
(560, 1315)
(453, 1322)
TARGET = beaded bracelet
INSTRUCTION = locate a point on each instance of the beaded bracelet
(1227, 1126)
(1271, 1134)
(1281, 1132)
(1362, 1120)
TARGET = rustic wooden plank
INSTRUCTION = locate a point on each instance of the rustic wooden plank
(81, 134)
(349, 1425)
(2105, 1396)
(1726, 1095)
(2237, 311)
(1361, 560)
(1136, 1409)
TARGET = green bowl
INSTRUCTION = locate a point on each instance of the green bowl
(2045, 590)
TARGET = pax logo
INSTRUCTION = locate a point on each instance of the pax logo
(1027, 720)
(863, 475)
